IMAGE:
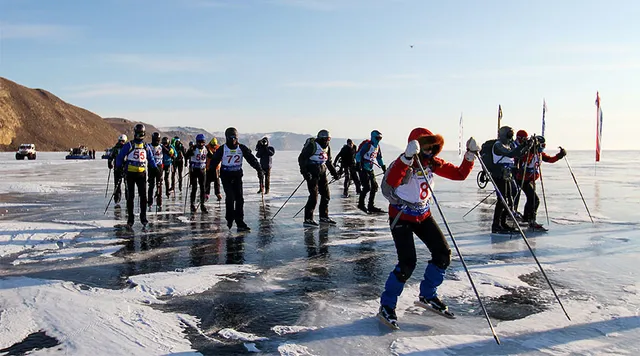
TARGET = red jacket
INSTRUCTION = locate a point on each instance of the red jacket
(398, 169)
(533, 172)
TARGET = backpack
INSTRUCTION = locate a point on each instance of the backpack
(362, 144)
(486, 154)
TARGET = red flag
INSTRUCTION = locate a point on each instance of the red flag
(598, 127)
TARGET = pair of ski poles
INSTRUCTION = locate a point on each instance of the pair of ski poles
(543, 192)
(503, 201)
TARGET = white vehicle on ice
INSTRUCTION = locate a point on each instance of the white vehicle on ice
(26, 150)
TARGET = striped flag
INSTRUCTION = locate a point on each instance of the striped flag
(499, 116)
(598, 127)
(460, 134)
(544, 113)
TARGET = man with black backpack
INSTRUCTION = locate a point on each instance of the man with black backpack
(314, 160)
(347, 159)
(502, 161)
(136, 158)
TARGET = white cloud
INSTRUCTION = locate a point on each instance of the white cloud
(116, 89)
(160, 63)
(36, 31)
(326, 84)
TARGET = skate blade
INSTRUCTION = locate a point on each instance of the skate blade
(392, 325)
(447, 314)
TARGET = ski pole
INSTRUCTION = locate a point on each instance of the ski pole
(544, 198)
(285, 202)
(108, 180)
(112, 195)
(299, 211)
(524, 237)
(184, 209)
(577, 186)
(480, 202)
(475, 290)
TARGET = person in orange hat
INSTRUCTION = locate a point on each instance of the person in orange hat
(213, 173)
(410, 209)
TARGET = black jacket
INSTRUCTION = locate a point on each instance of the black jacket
(346, 156)
(265, 152)
(246, 154)
(307, 166)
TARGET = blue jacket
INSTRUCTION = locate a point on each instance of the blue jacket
(127, 148)
(365, 162)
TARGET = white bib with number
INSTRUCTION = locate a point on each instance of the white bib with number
(416, 190)
(199, 158)
(157, 153)
(232, 159)
(320, 156)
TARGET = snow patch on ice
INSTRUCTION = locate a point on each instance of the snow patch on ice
(88, 321)
(188, 281)
(294, 350)
(291, 329)
(232, 334)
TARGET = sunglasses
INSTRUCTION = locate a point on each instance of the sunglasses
(233, 137)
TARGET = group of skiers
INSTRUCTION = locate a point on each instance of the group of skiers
(514, 165)
(137, 162)
(407, 185)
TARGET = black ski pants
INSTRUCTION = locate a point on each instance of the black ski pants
(137, 179)
(369, 184)
(317, 185)
(234, 199)
(155, 181)
(500, 214)
(197, 177)
(533, 201)
(177, 168)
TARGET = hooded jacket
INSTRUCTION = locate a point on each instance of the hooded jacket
(369, 149)
(397, 181)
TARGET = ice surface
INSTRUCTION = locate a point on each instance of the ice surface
(188, 285)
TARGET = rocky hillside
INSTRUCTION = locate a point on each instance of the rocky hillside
(37, 116)
(124, 126)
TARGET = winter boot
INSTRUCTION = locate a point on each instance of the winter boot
(242, 226)
(309, 222)
(193, 208)
(327, 220)
(388, 316)
(204, 209)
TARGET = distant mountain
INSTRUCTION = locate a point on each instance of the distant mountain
(280, 140)
(39, 117)
(124, 126)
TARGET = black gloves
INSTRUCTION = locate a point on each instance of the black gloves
(384, 168)
(562, 153)
(110, 164)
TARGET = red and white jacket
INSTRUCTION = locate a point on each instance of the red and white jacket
(409, 190)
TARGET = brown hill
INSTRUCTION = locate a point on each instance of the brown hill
(124, 126)
(37, 116)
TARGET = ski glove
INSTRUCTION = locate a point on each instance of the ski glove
(110, 164)
(384, 168)
(562, 153)
(472, 150)
(413, 148)
(472, 145)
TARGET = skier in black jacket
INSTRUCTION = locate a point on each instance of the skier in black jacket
(347, 159)
(230, 157)
(314, 160)
(264, 152)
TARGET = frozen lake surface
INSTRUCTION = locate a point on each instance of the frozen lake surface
(73, 284)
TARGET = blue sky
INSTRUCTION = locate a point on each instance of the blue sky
(344, 65)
